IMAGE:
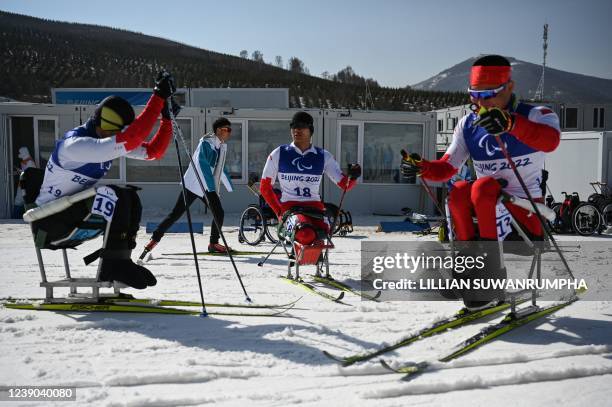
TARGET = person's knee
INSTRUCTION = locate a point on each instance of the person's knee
(148, 278)
(305, 234)
(528, 222)
(485, 190)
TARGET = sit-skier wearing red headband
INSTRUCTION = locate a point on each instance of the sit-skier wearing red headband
(526, 131)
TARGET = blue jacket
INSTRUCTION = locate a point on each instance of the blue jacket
(212, 172)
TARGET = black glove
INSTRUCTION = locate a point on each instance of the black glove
(164, 85)
(176, 109)
(354, 171)
(495, 121)
(253, 178)
(411, 165)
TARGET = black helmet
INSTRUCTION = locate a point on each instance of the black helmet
(302, 120)
(113, 113)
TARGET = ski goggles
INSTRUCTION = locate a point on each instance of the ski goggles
(110, 120)
(486, 93)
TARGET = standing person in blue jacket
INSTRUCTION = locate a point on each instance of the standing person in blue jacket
(209, 158)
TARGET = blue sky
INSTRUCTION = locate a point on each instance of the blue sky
(396, 42)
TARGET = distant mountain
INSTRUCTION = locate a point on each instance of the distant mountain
(38, 54)
(559, 85)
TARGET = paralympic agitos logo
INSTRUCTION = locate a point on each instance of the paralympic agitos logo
(488, 143)
(297, 162)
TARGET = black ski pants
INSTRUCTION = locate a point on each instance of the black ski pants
(179, 209)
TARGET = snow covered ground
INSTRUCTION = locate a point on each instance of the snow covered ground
(163, 360)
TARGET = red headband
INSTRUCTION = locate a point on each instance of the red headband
(489, 75)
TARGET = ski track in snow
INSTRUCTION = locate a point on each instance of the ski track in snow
(163, 360)
(479, 382)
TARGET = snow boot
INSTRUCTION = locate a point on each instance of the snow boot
(489, 254)
(219, 248)
(148, 248)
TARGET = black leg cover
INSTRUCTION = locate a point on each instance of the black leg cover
(491, 271)
(117, 264)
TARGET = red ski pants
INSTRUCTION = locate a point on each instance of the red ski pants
(480, 197)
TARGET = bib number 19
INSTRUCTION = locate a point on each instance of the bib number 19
(104, 206)
(104, 203)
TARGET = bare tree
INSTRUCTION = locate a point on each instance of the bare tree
(325, 75)
(295, 64)
(348, 75)
(257, 56)
(278, 61)
(244, 54)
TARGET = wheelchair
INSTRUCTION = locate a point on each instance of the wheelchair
(257, 222)
(583, 218)
(602, 199)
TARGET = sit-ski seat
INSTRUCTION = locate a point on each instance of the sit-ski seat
(315, 253)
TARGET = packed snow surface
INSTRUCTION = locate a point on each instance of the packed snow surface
(165, 360)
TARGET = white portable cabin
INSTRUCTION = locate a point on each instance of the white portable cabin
(34, 126)
(239, 97)
(581, 158)
(192, 97)
(374, 139)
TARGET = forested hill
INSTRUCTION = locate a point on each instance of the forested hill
(39, 54)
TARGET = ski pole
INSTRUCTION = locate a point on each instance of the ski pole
(435, 201)
(502, 146)
(261, 263)
(431, 195)
(331, 231)
(250, 187)
(426, 187)
(179, 133)
(193, 247)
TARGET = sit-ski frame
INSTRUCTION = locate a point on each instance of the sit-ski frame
(70, 282)
(536, 263)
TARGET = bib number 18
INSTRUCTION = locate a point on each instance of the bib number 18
(305, 192)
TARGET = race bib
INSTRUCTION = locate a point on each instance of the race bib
(294, 220)
(104, 202)
(503, 220)
(290, 224)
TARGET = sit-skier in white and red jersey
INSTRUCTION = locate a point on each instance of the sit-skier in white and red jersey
(83, 157)
(299, 167)
(528, 132)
